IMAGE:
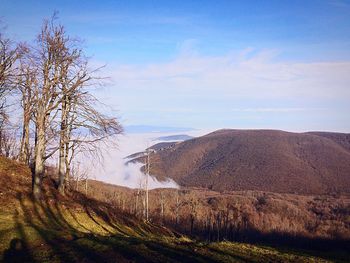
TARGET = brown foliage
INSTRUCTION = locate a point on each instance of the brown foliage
(232, 214)
(318, 221)
(262, 160)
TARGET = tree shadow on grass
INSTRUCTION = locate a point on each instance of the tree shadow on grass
(296, 245)
(17, 252)
(62, 236)
(45, 233)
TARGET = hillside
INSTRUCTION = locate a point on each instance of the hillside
(162, 146)
(261, 213)
(156, 147)
(76, 228)
(179, 137)
(264, 160)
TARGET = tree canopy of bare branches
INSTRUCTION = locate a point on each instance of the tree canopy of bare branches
(53, 80)
(8, 57)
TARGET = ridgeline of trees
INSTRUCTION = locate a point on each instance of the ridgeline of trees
(47, 85)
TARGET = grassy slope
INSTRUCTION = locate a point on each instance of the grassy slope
(78, 229)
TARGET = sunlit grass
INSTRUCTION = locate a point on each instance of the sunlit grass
(53, 233)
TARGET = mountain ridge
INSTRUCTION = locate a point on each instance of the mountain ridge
(266, 160)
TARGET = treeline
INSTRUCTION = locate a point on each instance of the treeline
(248, 216)
(47, 85)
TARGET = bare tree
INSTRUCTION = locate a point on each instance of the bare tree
(138, 194)
(193, 203)
(178, 204)
(73, 76)
(8, 58)
(52, 79)
(162, 201)
(148, 166)
(147, 170)
(26, 83)
(9, 145)
(86, 129)
(49, 55)
(78, 174)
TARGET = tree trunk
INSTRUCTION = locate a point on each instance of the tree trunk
(61, 169)
(162, 210)
(147, 175)
(137, 202)
(177, 208)
(62, 152)
(86, 188)
(39, 157)
(24, 152)
(162, 201)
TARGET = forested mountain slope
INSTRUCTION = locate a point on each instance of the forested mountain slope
(264, 160)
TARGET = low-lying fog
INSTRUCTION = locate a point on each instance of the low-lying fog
(113, 168)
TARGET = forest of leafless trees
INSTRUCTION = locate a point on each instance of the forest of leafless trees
(248, 216)
(47, 109)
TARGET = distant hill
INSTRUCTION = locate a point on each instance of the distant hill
(162, 146)
(180, 137)
(265, 160)
(151, 129)
(155, 148)
(342, 139)
(135, 156)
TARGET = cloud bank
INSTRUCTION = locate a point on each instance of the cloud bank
(113, 168)
(183, 90)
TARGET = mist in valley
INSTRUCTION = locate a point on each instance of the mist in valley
(114, 167)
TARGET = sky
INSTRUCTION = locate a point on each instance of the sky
(210, 64)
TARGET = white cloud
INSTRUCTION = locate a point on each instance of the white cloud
(113, 168)
(199, 91)
(238, 76)
(272, 109)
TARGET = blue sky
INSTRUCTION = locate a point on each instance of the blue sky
(211, 64)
